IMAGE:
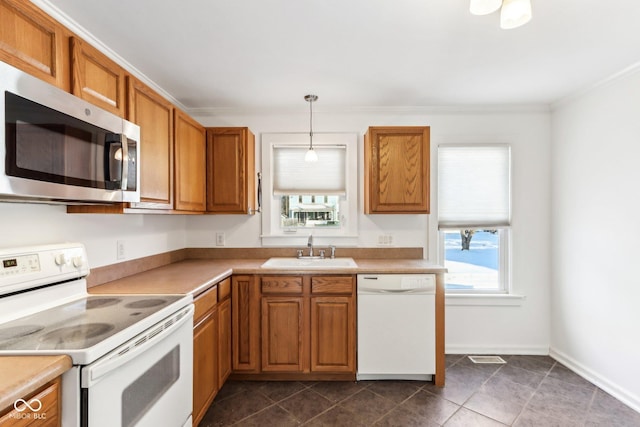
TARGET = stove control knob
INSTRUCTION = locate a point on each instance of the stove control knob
(61, 259)
(78, 261)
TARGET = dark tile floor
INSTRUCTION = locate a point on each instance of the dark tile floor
(527, 391)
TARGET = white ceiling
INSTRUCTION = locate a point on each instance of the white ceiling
(262, 54)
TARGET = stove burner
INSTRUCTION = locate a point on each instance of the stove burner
(101, 302)
(77, 333)
(15, 332)
(145, 303)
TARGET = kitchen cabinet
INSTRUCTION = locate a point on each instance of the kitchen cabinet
(49, 415)
(205, 353)
(230, 170)
(283, 324)
(33, 42)
(224, 331)
(307, 326)
(333, 324)
(154, 115)
(190, 163)
(96, 78)
(396, 164)
(245, 302)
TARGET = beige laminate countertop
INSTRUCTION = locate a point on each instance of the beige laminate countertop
(194, 276)
(20, 376)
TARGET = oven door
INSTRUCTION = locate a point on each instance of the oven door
(148, 381)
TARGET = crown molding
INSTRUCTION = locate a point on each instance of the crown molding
(49, 8)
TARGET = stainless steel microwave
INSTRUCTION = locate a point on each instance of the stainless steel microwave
(56, 147)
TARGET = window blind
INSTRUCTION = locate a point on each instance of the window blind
(292, 175)
(474, 186)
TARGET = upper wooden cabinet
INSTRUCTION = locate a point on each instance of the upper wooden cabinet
(154, 115)
(190, 167)
(96, 78)
(230, 170)
(396, 164)
(33, 42)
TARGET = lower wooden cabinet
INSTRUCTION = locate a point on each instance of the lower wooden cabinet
(49, 414)
(283, 334)
(294, 326)
(332, 334)
(205, 353)
(245, 300)
(224, 331)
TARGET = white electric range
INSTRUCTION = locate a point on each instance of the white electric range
(131, 354)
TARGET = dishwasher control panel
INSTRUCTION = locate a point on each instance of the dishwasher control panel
(422, 283)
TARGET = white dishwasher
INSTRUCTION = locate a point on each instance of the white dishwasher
(396, 326)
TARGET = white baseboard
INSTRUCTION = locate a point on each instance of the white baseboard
(522, 350)
(614, 390)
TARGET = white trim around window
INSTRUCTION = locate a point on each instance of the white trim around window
(273, 234)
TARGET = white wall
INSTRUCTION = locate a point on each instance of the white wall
(143, 235)
(596, 199)
(484, 328)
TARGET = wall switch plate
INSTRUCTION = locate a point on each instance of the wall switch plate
(120, 252)
(219, 239)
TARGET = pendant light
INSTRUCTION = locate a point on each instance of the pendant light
(515, 13)
(484, 7)
(311, 155)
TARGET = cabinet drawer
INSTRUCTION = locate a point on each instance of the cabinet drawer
(332, 285)
(281, 285)
(224, 289)
(204, 303)
(47, 415)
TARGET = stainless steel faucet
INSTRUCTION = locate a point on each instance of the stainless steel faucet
(310, 244)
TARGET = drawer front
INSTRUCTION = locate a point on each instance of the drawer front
(281, 284)
(204, 303)
(224, 289)
(332, 285)
(46, 415)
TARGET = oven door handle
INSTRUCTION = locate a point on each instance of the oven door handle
(131, 349)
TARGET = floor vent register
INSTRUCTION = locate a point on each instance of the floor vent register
(487, 359)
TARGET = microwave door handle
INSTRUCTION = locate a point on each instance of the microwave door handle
(125, 161)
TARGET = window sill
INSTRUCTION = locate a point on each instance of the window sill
(485, 299)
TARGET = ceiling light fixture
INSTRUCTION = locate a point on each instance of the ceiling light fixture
(514, 13)
(311, 155)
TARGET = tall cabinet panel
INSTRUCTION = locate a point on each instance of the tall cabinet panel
(154, 115)
(396, 162)
(230, 170)
(33, 42)
(190, 148)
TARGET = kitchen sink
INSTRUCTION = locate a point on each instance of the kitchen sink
(309, 263)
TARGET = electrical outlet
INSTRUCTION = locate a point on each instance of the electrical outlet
(219, 239)
(385, 239)
(120, 252)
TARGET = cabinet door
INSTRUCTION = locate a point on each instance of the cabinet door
(50, 400)
(190, 168)
(230, 170)
(205, 364)
(245, 302)
(282, 334)
(154, 115)
(397, 170)
(224, 341)
(33, 42)
(96, 78)
(332, 334)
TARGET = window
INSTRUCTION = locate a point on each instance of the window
(301, 198)
(474, 215)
